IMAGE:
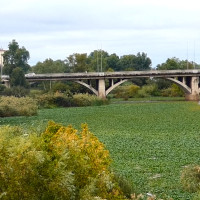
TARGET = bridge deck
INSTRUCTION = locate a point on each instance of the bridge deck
(101, 75)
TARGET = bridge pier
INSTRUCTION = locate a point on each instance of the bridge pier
(101, 88)
(194, 95)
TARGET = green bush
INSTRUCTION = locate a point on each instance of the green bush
(88, 100)
(51, 100)
(16, 91)
(61, 87)
(148, 90)
(173, 91)
(61, 163)
(14, 106)
(126, 91)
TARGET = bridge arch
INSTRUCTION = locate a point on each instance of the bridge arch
(182, 85)
(186, 89)
(89, 86)
(113, 86)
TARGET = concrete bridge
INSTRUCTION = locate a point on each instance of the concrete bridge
(102, 83)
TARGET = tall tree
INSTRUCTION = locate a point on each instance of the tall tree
(142, 62)
(98, 60)
(112, 61)
(134, 62)
(50, 66)
(18, 78)
(78, 62)
(174, 63)
(15, 57)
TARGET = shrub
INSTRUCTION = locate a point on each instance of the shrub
(126, 91)
(173, 91)
(51, 100)
(2, 88)
(14, 106)
(125, 186)
(61, 87)
(16, 91)
(148, 90)
(88, 100)
(190, 178)
(60, 163)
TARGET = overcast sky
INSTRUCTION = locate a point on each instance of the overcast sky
(58, 28)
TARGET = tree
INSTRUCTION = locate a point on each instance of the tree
(78, 62)
(15, 57)
(142, 62)
(134, 62)
(126, 63)
(17, 78)
(98, 60)
(112, 61)
(50, 66)
(174, 63)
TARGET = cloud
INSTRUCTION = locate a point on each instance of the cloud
(59, 28)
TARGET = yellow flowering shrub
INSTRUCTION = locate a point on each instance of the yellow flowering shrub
(60, 163)
(88, 159)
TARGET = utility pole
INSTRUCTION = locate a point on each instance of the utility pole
(194, 55)
(97, 62)
(101, 60)
(1, 66)
(187, 57)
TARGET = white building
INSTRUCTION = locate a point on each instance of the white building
(1, 56)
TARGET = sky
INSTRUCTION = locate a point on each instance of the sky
(58, 28)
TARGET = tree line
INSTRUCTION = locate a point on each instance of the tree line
(16, 63)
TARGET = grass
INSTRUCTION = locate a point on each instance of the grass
(150, 143)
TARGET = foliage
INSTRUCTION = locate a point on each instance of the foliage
(175, 63)
(78, 62)
(16, 91)
(2, 88)
(16, 64)
(60, 163)
(125, 186)
(137, 62)
(112, 62)
(51, 100)
(18, 78)
(49, 66)
(126, 91)
(190, 178)
(96, 61)
(88, 100)
(13, 106)
(148, 90)
(149, 143)
(61, 87)
(173, 91)
(15, 57)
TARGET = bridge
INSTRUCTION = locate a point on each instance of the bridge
(102, 83)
